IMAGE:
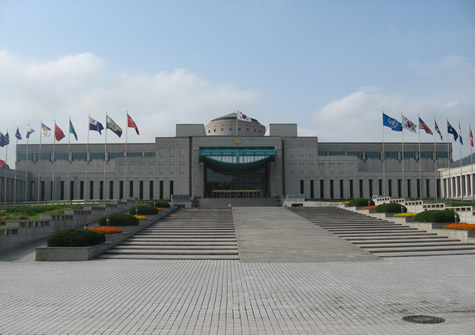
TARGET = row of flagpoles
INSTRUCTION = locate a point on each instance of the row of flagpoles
(405, 123)
(93, 125)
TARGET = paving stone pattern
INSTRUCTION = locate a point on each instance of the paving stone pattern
(382, 238)
(184, 234)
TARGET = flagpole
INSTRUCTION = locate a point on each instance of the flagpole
(471, 160)
(87, 157)
(420, 168)
(435, 162)
(26, 167)
(384, 164)
(5, 177)
(105, 159)
(449, 186)
(125, 153)
(236, 123)
(461, 174)
(39, 162)
(68, 186)
(14, 185)
(54, 152)
(402, 155)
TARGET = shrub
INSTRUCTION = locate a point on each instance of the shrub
(76, 237)
(119, 219)
(437, 216)
(359, 202)
(107, 230)
(460, 226)
(391, 208)
(143, 209)
(156, 203)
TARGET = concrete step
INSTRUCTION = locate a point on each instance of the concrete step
(171, 257)
(362, 234)
(393, 238)
(208, 244)
(176, 247)
(403, 240)
(386, 230)
(171, 252)
(430, 248)
(426, 253)
(409, 245)
(133, 239)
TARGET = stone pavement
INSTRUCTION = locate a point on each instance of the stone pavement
(323, 296)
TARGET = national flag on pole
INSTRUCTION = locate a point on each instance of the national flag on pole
(6, 141)
(438, 130)
(131, 124)
(394, 124)
(114, 127)
(451, 130)
(17, 134)
(424, 126)
(29, 131)
(460, 134)
(408, 124)
(45, 130)
(95, 125)
(2, 140)
(58, 133)
(243, 117)
(72, 130)
(2, 163)
(470, 135)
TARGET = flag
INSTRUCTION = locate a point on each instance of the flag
(391, 123)
(45, 130)
(408, 124)
(17, 134)
(131, 124)
(451, 130)
(58, 133)
(29, 131)
(424, 126)
(6, 140)
(72, 130)
(2, 140)
(95, 125)
(460, 134)
(470, 135)
(110, 124)
(438, 130)
(243, 117)
(2, 163)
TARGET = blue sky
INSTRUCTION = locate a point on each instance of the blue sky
(330, 66)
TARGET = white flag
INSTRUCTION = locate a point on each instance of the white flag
(45, 130)
(243, 117)
(408, 124)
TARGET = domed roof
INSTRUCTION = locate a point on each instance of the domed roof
(230, 116)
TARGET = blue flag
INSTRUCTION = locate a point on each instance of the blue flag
(95, 125)
(29, 131)
(2, 140)
(6, 140)
(392, 123)
(451, 130)
(72, 130)
(110, 124)
(17, 134)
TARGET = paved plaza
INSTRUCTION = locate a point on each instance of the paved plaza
(319, 295)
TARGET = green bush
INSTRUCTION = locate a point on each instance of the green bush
(361, 202)
(435, 216)
(391, 208)
(143, 210)
(119, 219)
(156, 203)
(76, 237)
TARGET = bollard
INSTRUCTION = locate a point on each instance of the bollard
(108, 221)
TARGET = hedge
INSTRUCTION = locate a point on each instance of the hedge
(359, 202)
(119, 219)
(391, 208)
(75, 237)
(143, 209)
(435, 216)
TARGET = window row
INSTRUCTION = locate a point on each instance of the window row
(80, 156)
(387, 154)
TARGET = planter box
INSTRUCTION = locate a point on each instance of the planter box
(115, 239)
(54, 254)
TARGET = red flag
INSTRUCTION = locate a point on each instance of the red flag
(471, 136)
(131, 124)
(424, 126)
(58, 133)
(2, 163)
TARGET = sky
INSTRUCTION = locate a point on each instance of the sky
(332, 67)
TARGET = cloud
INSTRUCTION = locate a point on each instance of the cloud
(79, 85)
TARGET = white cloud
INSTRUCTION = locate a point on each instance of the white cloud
(78, 85)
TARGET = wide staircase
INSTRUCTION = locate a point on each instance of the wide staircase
(382, 238)
(184, 234)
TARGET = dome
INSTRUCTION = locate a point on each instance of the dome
(226, 126)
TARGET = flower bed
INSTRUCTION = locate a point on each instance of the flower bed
(404, 215)
(369, 207)
(460, 226)
(107, 230)
(141, 217)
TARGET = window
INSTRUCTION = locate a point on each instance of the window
(91, 190)
(111, 189)
(337, 153)
(322, 153)
(214, 130)
(373, 154)
(427, 188)
(322, 190)
(101, 190)
(113, 155)
(42, 193)
(331, 189)
(418, 188)
(209, 131)
(230, 129)
(255, 130)
(311, 189)
(222, 129)
(399, 188)
(361, 188)
(121, 189)
(79, 156)
(442, 154)
(61, 156)
(409, 191)
(247, 129)
(71, 190)
(380, 186)
(150, 154)
(22, 156)
(45, 156)
(409, 154)
(161, 189)
(371, 188)
(134, 154)
(426, 154)
(131, 188)
(302, 191)
(141, 190)
(81, 190)
(390, 154)
(351, 188)
(171, 188)
(61, 190)
(150, 196)
(342, 191)
(96, 155)
(358, 154)
(239, 129)
(390, 187)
